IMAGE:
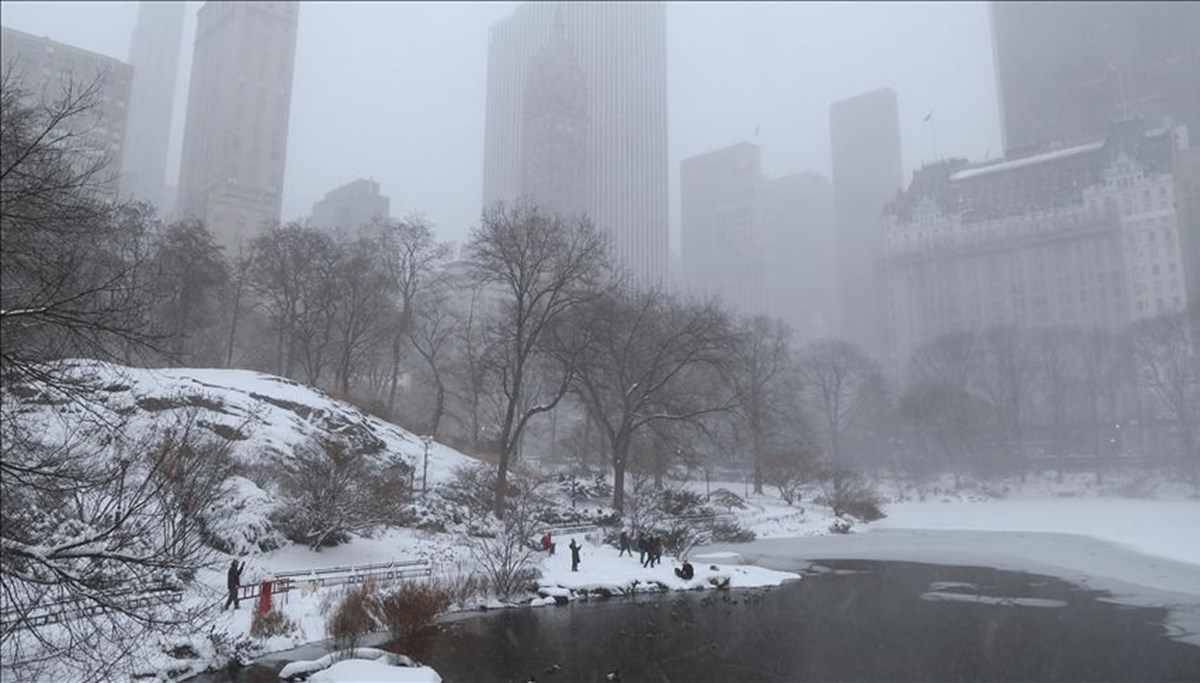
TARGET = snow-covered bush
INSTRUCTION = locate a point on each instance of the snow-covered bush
(847, 492)
(333, 490)
(355, 614)
(272, 623)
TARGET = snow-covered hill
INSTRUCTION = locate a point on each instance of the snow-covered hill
(264, 417)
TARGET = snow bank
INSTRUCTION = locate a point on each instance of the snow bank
(372, 671)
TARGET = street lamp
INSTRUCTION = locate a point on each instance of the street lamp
(427, 441)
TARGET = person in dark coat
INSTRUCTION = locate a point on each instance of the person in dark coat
(686, 572)
(643, 547)
(655, 551)
(574, 555)
(625, 545)
(233, 579)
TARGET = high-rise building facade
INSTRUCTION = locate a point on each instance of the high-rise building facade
(47, 68)
(762, 246)
(1066, 70)
(350, 206)
(867, 173)
(154, 55)
(239, 101)
(554, 122)
(620, 53)
(1092, 235)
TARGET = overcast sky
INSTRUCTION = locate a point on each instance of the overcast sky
(395, 91)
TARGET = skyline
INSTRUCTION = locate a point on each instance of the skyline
(733, 69)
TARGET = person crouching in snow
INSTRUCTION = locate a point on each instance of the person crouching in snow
(548, 543)
(574, 555)
(686, 572)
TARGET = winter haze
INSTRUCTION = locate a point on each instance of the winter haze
(395, 91)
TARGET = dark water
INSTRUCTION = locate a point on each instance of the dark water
(859, 621)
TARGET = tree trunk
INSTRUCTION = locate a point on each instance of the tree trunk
(396, 347)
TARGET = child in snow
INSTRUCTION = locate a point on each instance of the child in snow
(686, 572)
(547, 543)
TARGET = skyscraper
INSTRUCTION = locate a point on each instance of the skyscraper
(239, 100)
(867, 173)
(1066, 70)
(350, 206)
(46, 68)
(621, 55)
(154, 55)
(760, 245)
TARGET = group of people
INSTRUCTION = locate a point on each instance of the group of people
(649, 549)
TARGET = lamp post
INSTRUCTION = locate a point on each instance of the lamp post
(427, 441)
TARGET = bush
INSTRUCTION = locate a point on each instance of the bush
(334, 490)
(679, 502)
(408, 614)
(848, 493)
(727, 499)
(354, 616)
(731, 532)
(273, 623)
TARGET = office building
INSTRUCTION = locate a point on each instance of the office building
(867, 173)
(1066, 70)
(577, 94)
(350, 207)
(154, 55)
(762, 246)
(239, 101)
(46, 69)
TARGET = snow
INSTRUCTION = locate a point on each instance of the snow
(938, 596)
(601, 568)
(369, 671)
(1145, 526)
(1026, 161)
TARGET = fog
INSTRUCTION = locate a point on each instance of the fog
(395, 91)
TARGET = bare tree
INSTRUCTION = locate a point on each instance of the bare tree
(1167, 359)
(432, 332)
(189, 274)
(763, 358)
(410, 256)
(1100, 358)
(645, 359)
(545, 266)
(1007, 381)
(100, 526)
(72, 270)
(362, 305)
(838, 382)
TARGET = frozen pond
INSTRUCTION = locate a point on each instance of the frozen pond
(846, 620)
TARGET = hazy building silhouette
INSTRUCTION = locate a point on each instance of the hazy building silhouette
(554, 128)
(757, 243)
(621, 53)
(239, 100)
(1092, 235)
(350, 206)
(154, 55)
(798, 210)
(47, 69)
(1066, 70)
(867, 173)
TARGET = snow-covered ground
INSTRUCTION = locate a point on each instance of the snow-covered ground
(1144, 551)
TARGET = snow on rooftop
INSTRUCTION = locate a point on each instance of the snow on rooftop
(1026, 161)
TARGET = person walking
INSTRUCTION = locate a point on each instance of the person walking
(624, 544)
(574, 555)
(233, 579)
(548, 543)
(642, 548)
